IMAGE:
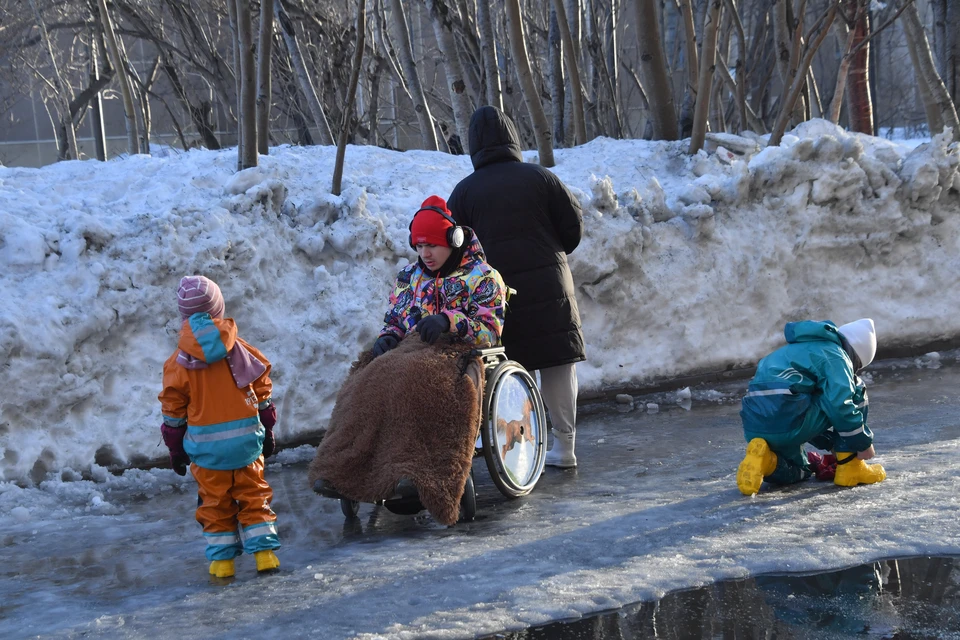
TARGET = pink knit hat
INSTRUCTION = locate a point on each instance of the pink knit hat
(198, 294)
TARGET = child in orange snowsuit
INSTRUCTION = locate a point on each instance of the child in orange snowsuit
(219, 416)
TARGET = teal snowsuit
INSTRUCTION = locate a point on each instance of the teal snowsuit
(806, 391)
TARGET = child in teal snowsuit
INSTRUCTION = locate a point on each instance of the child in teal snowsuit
(808, 391)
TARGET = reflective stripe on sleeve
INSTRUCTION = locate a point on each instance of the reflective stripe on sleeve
(770, 392)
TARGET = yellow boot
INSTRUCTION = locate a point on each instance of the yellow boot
(222, 568)
(850, 474)
(758, 462)
(267, 560)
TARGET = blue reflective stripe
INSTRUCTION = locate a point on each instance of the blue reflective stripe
(208, 336)
(227, 445)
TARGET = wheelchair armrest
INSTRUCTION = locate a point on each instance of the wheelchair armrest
(490, 355)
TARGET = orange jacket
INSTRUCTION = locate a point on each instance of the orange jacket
(223, 424)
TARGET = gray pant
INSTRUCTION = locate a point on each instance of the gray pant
(558, 386)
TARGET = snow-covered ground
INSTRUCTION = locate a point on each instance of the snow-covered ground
(688, 264)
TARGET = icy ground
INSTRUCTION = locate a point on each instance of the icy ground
(652, 508)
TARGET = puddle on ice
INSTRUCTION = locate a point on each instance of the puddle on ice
(912, 598)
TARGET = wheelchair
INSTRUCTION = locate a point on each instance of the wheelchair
(512, 438)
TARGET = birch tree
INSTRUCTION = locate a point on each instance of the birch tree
(572, 65)
(937, 98)
(60, 88)
(400, 34)
(531, 97)
(351, 98)
(708, 57)
(265, 56)
(653, 71)
(304, 80)
(247, 153)
(453, 70)
(491, 67)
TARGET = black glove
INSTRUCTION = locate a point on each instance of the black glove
(269, 443)
(384, 344)
(431, 327)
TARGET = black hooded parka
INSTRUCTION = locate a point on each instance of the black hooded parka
(528, 221)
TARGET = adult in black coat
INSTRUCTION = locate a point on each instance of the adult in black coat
(528, 221)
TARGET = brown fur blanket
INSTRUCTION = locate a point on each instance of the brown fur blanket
(411, 413)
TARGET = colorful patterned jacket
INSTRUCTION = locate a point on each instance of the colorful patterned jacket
(223, 423)
(472, 297)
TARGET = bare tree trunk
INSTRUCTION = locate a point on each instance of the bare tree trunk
(69, 140)
(791, 96)
(237, 76)
(96, 112)
(443, 30)
(859, 104)
(307, 89)
(613, 72)
(491, 68)
(518, 45)
(120, 69)
(937, 99)
(653, 71)
(708, 58)
(945, 42)
(690, 46)
(401, 39)
(573, 71)
(787, 34)
(351, 97)
(740, 90)
(840, 88)
(952, 65)
(752, 121)
(570, 17)
(374, 110)
(556, 78)
(265, 55)
(248, 87)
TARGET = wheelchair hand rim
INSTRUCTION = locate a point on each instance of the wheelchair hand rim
(504, 475)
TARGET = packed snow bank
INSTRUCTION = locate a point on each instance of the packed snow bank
(688, 264)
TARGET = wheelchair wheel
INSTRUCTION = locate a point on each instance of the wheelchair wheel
(468, 503)
(350, 508)
(514, 429)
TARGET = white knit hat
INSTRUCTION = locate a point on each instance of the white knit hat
(862, 336)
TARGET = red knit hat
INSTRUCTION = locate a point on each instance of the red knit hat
(428, 226)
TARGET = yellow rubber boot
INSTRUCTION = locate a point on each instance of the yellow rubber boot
(222, 568)
(759, 461)
(267, 560)
(855, 472)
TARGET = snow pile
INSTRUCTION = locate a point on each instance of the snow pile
(688, 264)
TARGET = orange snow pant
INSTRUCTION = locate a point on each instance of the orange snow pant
(234, 509)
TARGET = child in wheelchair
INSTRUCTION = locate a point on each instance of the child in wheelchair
(449, 289)
(406, 419)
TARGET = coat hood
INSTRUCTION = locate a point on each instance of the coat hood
(862, 336)
(493, 138)
(207, 339)
(810, 331)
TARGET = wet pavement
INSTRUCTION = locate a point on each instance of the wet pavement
(909, 598)
(645, 511)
